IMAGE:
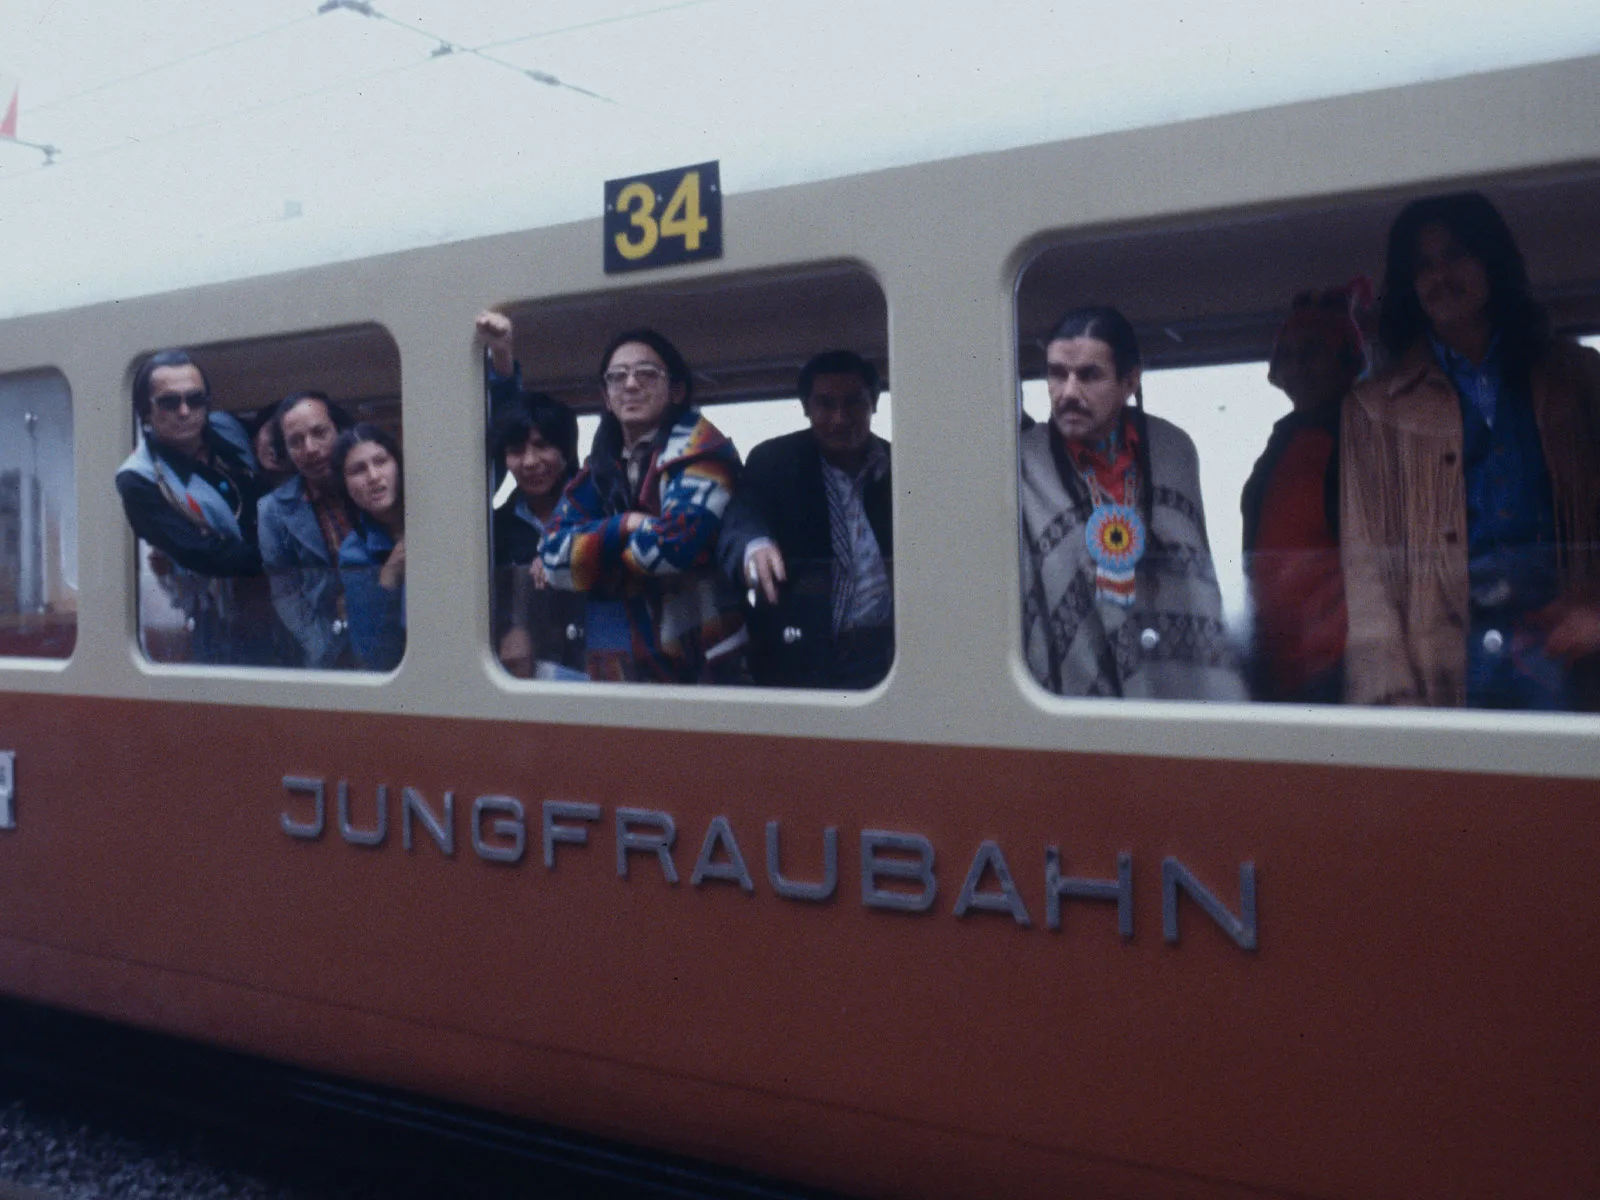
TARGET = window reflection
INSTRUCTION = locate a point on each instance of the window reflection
(1474, 450)
(1418, 527)
(38, 517)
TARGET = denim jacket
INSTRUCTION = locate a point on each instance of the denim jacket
(305, 584)
(377, 614)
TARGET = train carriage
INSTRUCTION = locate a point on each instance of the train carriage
(947, 936)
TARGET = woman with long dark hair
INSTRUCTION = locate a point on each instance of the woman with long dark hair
(369, 474)
(1470, 473)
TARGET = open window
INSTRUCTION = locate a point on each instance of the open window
(266, 489)
(647, 577)
(38, 517)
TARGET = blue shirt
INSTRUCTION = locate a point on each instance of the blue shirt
(377, 615)
(1511, 535)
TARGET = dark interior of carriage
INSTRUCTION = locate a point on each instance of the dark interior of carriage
(359, 366)
(1216, 292)
(746, 338)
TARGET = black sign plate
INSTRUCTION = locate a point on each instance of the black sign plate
(664, 218)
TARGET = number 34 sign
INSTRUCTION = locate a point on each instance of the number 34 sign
(665, 218)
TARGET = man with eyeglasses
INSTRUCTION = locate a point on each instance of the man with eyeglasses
(189, 490)
(636, 530)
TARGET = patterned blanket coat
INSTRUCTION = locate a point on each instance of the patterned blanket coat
(654, 555)
(1172, 643)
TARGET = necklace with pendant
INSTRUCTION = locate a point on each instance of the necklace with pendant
(1115, 535)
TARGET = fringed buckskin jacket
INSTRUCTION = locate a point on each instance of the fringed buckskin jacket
(1403, 517)
(1172, 644)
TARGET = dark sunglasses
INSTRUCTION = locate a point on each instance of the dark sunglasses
(171, 402)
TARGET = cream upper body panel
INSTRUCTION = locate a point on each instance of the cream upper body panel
(945, 241)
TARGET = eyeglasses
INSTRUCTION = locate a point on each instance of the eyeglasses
(648, 374)
(171, 402)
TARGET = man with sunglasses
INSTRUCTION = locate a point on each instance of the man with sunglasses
(189, 490)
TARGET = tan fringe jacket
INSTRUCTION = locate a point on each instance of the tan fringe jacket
(1403, 517)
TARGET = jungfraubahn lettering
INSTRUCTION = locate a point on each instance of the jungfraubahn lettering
(897, 868)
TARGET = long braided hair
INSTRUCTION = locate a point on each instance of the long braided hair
(1106, 324)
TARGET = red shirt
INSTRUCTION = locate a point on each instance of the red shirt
(1295, 580)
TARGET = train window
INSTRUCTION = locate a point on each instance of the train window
(1244, 476)
(266, 490)
(38, 517)
(732, 519)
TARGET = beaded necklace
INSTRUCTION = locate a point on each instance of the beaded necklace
(1115, 534)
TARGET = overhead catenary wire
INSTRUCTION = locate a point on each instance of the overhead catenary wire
(443, 46)
(167, 65)
(612, 20)
(225, 118)
(50, 152)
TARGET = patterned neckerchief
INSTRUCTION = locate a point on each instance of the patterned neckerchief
(1107, 465)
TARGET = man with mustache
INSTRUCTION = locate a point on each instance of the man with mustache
(1119, 595)
(302, 525)
(1470, 478)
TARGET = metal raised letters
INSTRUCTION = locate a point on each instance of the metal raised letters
(557, 811)
(442, 829)
(1119, 889)
(363, 837)
(1176, 877)
(511, 824)
(875, 866)
(719, 834)
(308, 830)
(631, 841)
(1006, 900)
(792, 890)
(899, 870)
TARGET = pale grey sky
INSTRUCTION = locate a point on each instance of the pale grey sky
(188, 131)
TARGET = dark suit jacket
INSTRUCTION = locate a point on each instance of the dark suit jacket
(781, 496)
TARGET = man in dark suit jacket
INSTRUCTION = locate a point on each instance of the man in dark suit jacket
(809, 533)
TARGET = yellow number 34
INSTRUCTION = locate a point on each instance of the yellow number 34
(681, 219)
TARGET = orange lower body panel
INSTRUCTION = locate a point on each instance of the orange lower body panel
(1417, 1016)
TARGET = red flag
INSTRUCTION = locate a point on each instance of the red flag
(9, 91)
